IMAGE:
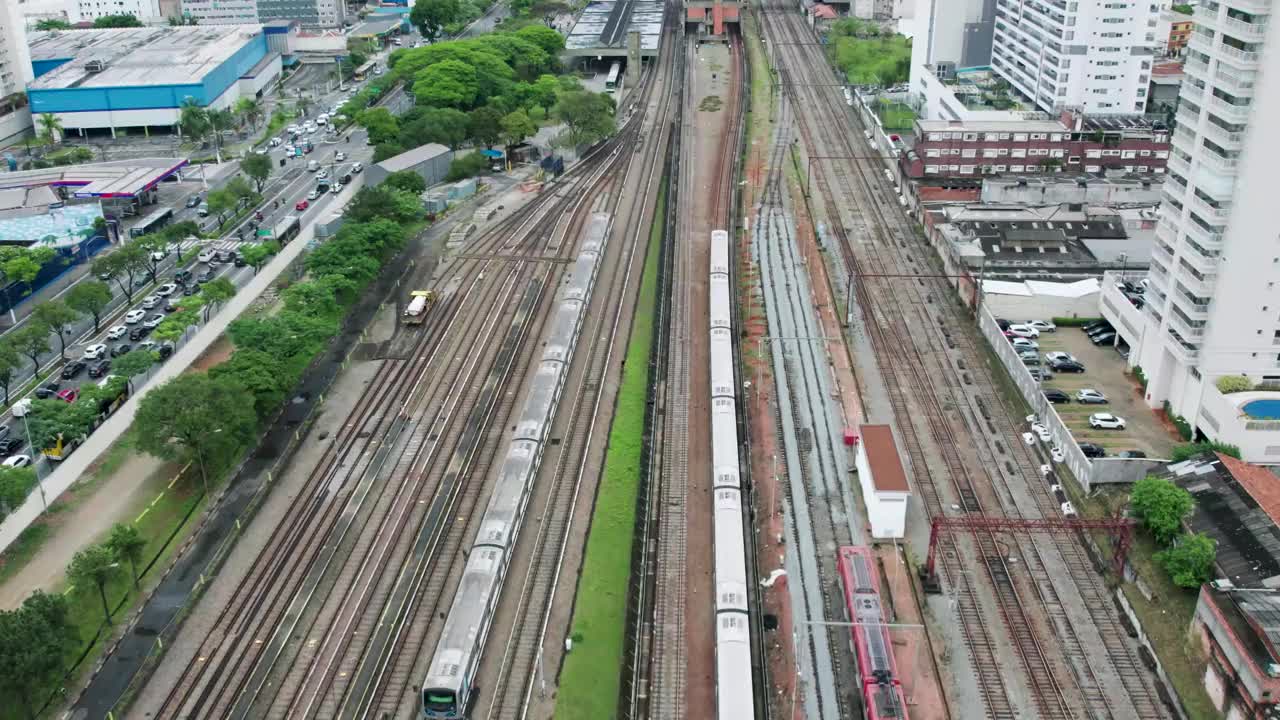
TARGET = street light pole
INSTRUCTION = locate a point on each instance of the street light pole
(35, 462)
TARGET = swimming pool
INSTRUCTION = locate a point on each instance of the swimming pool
(1262, 409)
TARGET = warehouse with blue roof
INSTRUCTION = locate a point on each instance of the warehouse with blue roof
(139, 78)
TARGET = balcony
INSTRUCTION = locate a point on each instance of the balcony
(1196, 67)
(1183, 325)
(1187, 118)
(1241, 30)
(1199, 286)
(1178, 165)
(1239, 83)
(1206, 241)
(1217, 163)
(1229, 111)
(1189, 91)
(1191, 310)
(1237, 57)
(1185, 351)
(1202, 42)
(1221, 136)
(1163, 253)
(1216, 215)
(1253, 7)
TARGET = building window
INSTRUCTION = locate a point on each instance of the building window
(1015, 168)
(1074, 160)
(1019, 137)
(969, 153)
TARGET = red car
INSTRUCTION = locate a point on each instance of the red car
(302, 205)
(69, 395)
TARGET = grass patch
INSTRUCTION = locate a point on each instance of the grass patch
(590, 680)
(20, 551)
(895, 116)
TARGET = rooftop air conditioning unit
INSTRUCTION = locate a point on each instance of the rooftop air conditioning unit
(95, 66)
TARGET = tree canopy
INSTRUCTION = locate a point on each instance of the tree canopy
(122, 20)
(1161, 506)
(196, 418)
(430, 16)
(89, 297)
(867, 56)
(588, 116)
(1189, 561)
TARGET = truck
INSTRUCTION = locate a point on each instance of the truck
(415, 312)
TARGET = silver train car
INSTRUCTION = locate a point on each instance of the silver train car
(449, 686)
(735, 696)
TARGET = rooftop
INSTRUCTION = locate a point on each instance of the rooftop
(1237, 505)
(882, 456)
(136, 56)
(1034, 125)
(118, 178)
(1254, 618)
(416, 156)
(376, 28)
(979, 88)
(603, 26)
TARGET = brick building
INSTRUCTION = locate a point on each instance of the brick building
(1179, 34)
(945, 148)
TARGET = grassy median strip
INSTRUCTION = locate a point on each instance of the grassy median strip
(589, 682)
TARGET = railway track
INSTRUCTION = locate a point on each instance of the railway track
(1055, 676)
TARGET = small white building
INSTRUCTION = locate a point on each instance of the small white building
(884, 481)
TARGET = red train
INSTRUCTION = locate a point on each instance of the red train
(882, 695)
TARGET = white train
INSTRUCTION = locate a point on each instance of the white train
(735, 696)
(447, 688)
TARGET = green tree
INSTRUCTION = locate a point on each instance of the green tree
(588, 117)
(34, 639)
(133, 363)
(30, 339)
(386, 150)
(303, 104)
(127, 544)
(469, 165)
(193, 120)
(430, 16)
(195, 418)
(122, 20)
(261, 373)
(371, 204)
(516, 127)
(249, 110)
(1161, 506)
(221, 202)
(47, 420)
(217, 292)
(1186, 451)
(258, 168)
(15, 485)
(90, 297)
(406, 180)
(94, 566)
(124, 266)
(380, 123)
(50, 128)
(544, 91)
(1189, 561)
(57, 316)
(547, 38)
(447, 126)
(53, 24)
(451, 83)
(172, 328)
(220, 120)
(255, 256)
(178, 233)
(10, 362)
(485, 126)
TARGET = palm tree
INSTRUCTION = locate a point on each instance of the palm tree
(250, 110)
(193, 119)
(50, 128)
(220, 120)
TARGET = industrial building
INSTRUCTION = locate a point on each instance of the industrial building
(431, 161)
(138, 78)
(884, 481)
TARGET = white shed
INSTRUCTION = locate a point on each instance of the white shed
(884, 481)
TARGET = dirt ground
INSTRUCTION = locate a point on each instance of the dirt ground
(1105, 371)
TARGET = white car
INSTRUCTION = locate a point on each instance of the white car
(1028, 438)
(206, 255)
(355, 169)
(159, 255)
(315, 193)
(94, 352)
(154, 320)
(149, 302)
(1057, 356)
(1024, 344)
(117, 332)
(166, 290)
(276, 142)
(1089, 395)
(133, 316)
(1041, 325)
(17, 461)
(337, 188)
(1056, 453)
(339, 156)
(322, 120)
(1041, 431)
(322, 174)
(1106, 421)
(1024, 331)
(293, 129)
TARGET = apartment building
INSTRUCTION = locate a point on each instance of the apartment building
(1094, 55)
(309, 13)
(1214, 300)
(15, 73)
(1074, 144)
(221, 12)
(148, 11)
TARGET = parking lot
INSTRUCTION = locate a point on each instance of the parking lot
(1105, 372)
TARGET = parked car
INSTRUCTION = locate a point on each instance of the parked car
(117, 332)
(166, 290)
(69, 395)
(1104, 338)
(1132, 454)
(1099, 330)
(120, 349)
(1095, 324)
(99, 369)
(1040, 374)
(93, 352)
(1041, 431)
(9, 446)
(1030, 360)
(1068, 366)
(139, 332)
(169, 306)
(1089, 396)
(1056, 396)
(1092, 451)
(153, 321)
(72, 369)
(1106, 421)
(1042, 325)
(301, 205)
(1059, 356)
(133, 316)
(165, 350)
(1024, 344)
(1023, 331)
(149, 302)
(17, 461)
(48, 390)
(1028, 354)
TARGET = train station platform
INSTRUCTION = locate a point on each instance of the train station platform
(604, 26)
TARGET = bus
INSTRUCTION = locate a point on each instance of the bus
(614, 79)
(287, 230)
(364, 70)
(152, 223)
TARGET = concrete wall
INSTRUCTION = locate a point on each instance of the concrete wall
(14, 125)
(1040, 307)
(1095, 192)
(1127, 319)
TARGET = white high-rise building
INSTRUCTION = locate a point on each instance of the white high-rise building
(1094, 55)
(148, 11)
(15, 73)
(1213, 305)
